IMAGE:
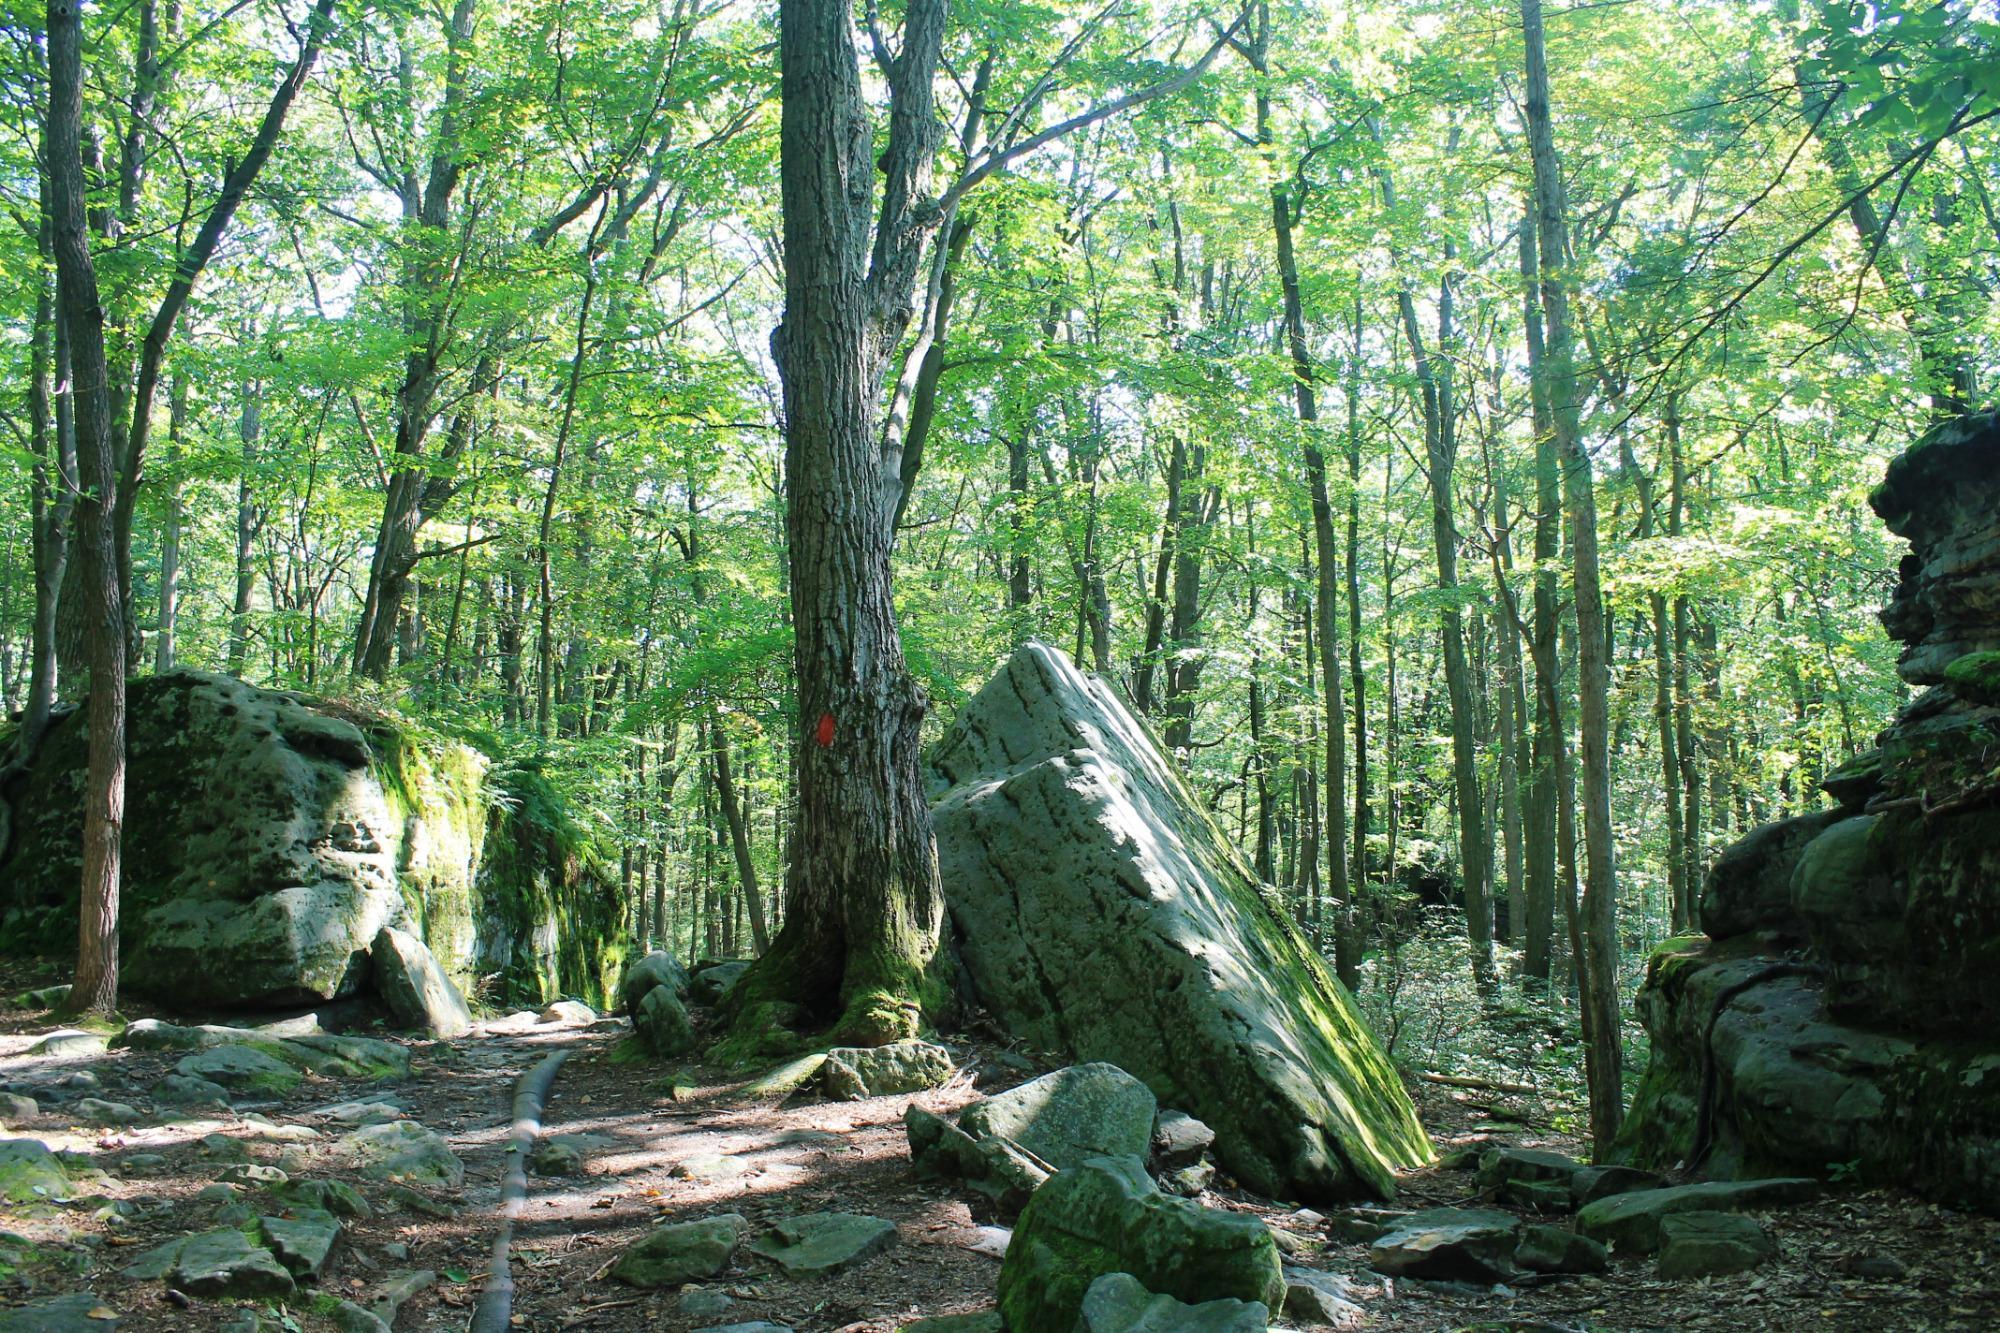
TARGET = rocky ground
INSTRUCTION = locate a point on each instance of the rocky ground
(630, 1146)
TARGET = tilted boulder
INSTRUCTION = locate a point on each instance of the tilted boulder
(1100, 914)
(269, 837)
(1848, 1024)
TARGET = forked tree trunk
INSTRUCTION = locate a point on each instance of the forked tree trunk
(864, 908)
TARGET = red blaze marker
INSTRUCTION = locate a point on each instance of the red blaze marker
(823, 733)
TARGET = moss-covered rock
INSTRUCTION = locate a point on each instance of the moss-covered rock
(1100, 913)
(1107, 1216)
(270, 836)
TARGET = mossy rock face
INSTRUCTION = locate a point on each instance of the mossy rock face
(1107, 1216)
(1100, 913)
(270, 836)
(1750, 885)
(30, 1173)
(1943, 494)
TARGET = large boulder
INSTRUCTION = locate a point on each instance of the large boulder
(658, 968)
(1101, 914)
(269, 837)
(1106, 1216)
(1848, 1027)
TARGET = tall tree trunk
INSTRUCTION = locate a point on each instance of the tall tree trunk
(1599, 969)
(864, 909)
(170, 536)
(739, 835)
(249, 519)
(1549, 747)
(1325, 544)
(96, 985)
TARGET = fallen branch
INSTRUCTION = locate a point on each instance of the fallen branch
(1482, 1084)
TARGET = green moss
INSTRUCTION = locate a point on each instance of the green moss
(1976, 677)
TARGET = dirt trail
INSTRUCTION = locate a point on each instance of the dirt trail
(676, 1144)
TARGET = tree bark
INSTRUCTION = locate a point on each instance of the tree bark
(96, 985)
(1598, 972)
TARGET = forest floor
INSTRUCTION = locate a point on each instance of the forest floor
(675, 1144)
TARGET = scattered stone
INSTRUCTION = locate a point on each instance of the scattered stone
(821, 1244)
(1630, 1223)
(563, 1154)
(1450, 1244)
(709, 1167)
(225, 1263)
(240, 1069)
(251, 1173)
(681, 1252)
(1536, 1196)
(1106, 1216)
(15, 1106)
(395, 1250)
(708, 984)
(852, 1073)
(1554, 1250)
(979, 1321)
(1117, 1303)
(70, 1043)
(1499, 1166)
(1101, 913)
(700, 1304)
(302, 1241)
(662, 1024)
(144, 1163)
(402, 1196)
(97, 1111)
(1179, 1140)
(151, 1034)
(997, 1169)
(754, 1326)
(216, 1192)
(373, 1111)
(1702, 1244)
(992, 1242)
(567, 1011)
(238, 1215)
(78, 1312)
(351, 1318)
(1320, 1299)
(657, 968)
(404, 1151)
(1876, 1267)
(343, 1056)
(414, 989)
(399, 1290)
(1064, 1118)
(1190, 1182)
(30, 1173)
(193, 1092)
(1592, 1183)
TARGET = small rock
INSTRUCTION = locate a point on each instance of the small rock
(703, 1303)
(681, 1252)
(220, 1147)
(225, 1263)
(351, 1318)
(1084, 1111)
(70, 1043)
(979, 1321)
(754, 1326)
(1592, 1183)
(78, 1312)
(405, 1151)
(1190, 1181)
(662, 1023)
(191, 1091)
(144, 1163)
(372, 1111)
(1117, 1303)
(395, 1250)
(707, 985)
(991, 1242)
(1498, 1166)
(302, 1241)
(1179, 1140)
(1320, 1299)
(240, 1069)
(655, 969)
(251, 1173)
(335, 1196)
(1876, 1267)
(709, 1166)
(216, 1193)
(1449, 1244)
(402, 1196)
(1536, 1196)
(1554, 1250)
(853, 1073)
(821, 1244)
(563, 1154)
(15, 1106)
(30, 1173)
(567, 1011)
(1699, 1244)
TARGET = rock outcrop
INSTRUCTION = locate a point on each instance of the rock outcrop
(270, 837)
(1838, 1016)
(1101, 915)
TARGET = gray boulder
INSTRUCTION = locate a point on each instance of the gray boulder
(302, 1240)
(662, 1023)
(681, 1252)
(1116, 1303)
(1750, 885)
(1450, 1244)
(657, 968)
(1703, 1244)
(240, 1069)
(822, 1244)
(1631, 1223)
(1069, 1116)
(1106, 1216)
(711, 981)
(73, 1313)
(1101, 913)
(414, 989)
(404, 1151)
(1179, 1140)
(852, 1073)
(30, 1173)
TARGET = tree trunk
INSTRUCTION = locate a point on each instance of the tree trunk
(1598, 973)
(1548, 749)
(739, 836)
(96, 984)
(864, 909)
(170, 536)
